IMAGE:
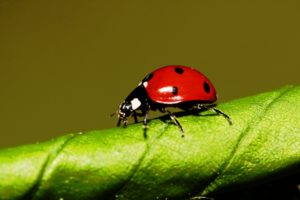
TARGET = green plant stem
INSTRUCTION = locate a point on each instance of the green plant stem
(120, 163)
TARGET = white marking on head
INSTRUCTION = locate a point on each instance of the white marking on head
(145, 84)
(135, 103)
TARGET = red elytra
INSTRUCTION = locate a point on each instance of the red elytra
(170, 86)
(176, 84)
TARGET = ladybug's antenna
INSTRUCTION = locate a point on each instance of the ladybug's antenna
(119, 122)
(112, 114)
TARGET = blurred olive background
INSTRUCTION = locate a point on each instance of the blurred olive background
(66, 65)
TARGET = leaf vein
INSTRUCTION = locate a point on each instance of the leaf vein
(257, 118)
(52, 155)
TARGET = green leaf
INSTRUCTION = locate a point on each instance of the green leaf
(119, 163)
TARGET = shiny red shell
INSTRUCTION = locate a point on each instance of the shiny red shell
(176, 84)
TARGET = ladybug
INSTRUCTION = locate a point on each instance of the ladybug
(170, 86)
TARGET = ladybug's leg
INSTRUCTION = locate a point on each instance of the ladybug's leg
(125, 122)
(145, 122)
(122, 119)
(213, 108)
(174, 119)
(135, 117)
(119, 121)
(219, 112)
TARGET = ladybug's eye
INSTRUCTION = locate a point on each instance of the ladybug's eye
(206, 87)
(179, 70)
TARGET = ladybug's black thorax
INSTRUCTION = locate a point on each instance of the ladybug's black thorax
(139, 93)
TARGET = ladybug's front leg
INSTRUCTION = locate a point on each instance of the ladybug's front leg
(119, 121)
(122, 119)
(125, 122)
(135, 117)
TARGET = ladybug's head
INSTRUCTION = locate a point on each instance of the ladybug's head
(126, 109)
